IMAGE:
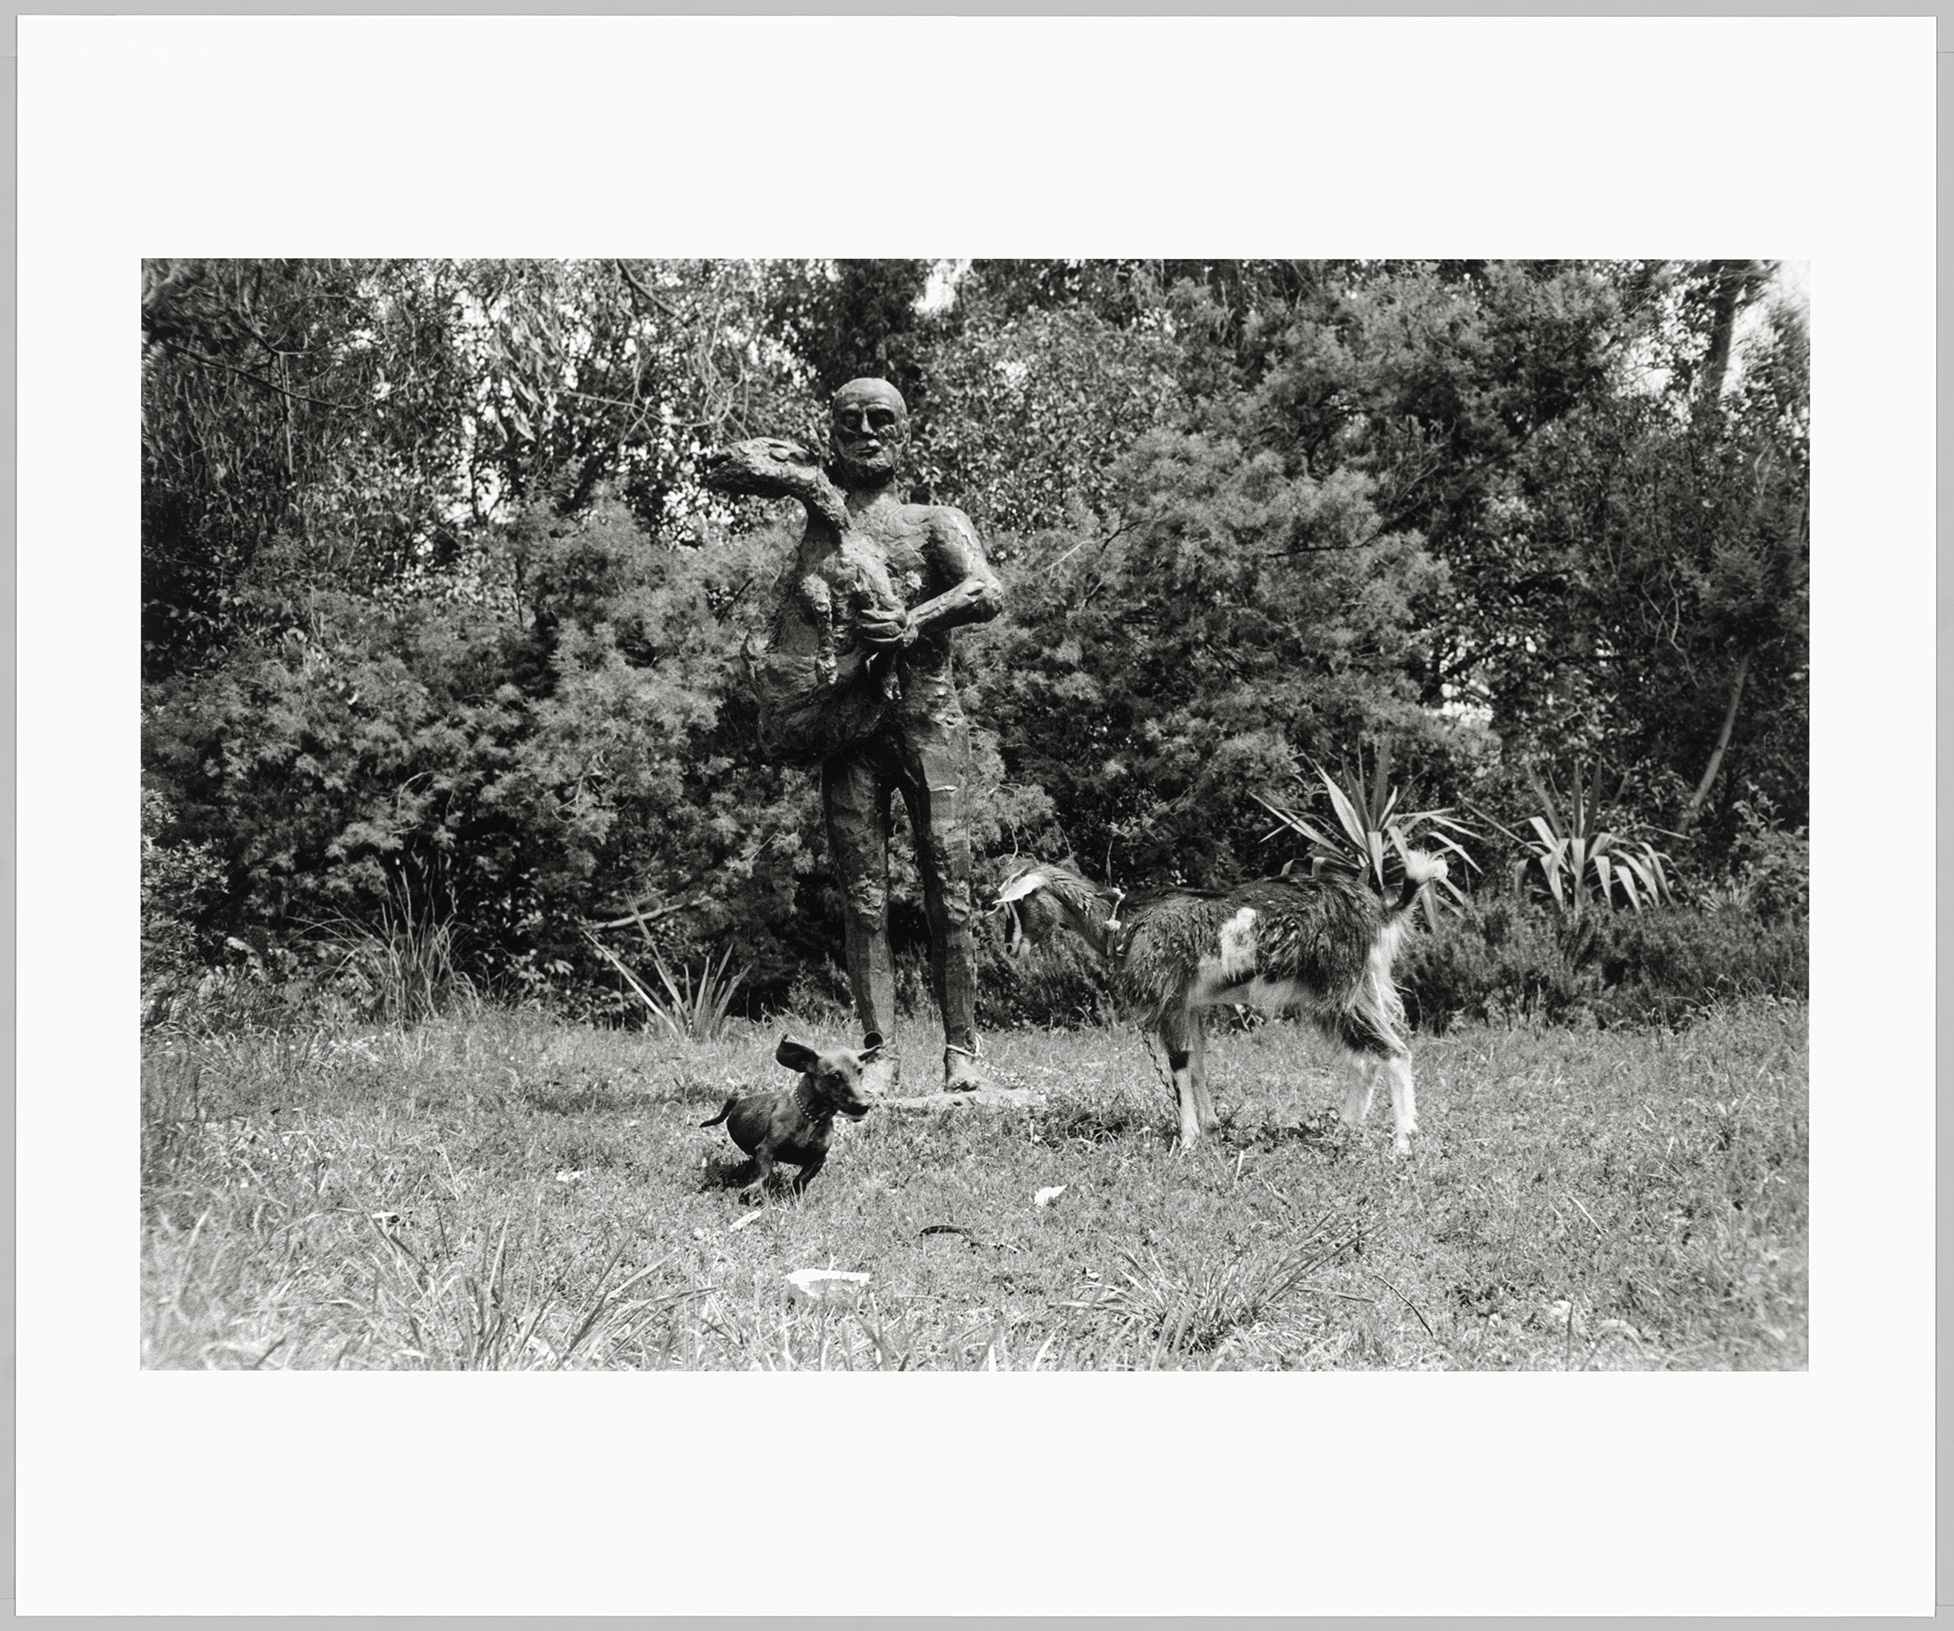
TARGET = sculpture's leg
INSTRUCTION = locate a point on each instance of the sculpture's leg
(855, 795)
(935, 767)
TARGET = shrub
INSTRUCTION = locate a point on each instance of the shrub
(1664, 965)
(695, 1001)
(178, 881)
(1770, 864)
(1058, 983)
(1517, 961)
(1504, 961)
(405, 966)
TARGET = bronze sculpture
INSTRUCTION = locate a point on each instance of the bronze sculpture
(856, 677)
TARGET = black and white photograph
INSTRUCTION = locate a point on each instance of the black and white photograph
(1038, 747)
(1135, 794)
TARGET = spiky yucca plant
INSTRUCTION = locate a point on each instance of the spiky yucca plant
(1370, 836)
(695, 1003)
(407, 963)
(1578, 860)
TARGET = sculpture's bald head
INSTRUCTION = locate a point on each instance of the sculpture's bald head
(869, 392)
(870, 424)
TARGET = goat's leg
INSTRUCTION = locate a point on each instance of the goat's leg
(1404, 1101)
(1197, 1071)
(1363, 1088)
(1179, 1035)
(1369, 1030)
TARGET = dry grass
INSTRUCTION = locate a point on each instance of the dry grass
(510, 1192)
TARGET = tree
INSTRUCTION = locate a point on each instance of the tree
(321, 400)
(613, 377)
(1154, 679)
(849, 318)
(435, 605)
(1680, 625)
(1034, 404)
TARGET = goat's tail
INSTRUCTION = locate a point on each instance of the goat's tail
(725, 1110)
(1419, 870)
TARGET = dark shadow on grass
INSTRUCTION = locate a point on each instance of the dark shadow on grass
(1094, 1123)
(725, 1172)
(1323, 1131)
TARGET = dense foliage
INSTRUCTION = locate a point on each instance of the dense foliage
(442, 631)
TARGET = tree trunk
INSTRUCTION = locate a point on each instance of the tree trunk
(1736, 282)
(1723, 739)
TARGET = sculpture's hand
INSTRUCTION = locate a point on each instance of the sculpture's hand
(883, 628)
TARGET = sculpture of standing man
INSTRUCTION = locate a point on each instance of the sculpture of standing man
(859, 678)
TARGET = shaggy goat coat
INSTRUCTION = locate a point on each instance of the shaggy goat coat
(1322, 946)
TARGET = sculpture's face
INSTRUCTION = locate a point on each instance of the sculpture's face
(870, 425)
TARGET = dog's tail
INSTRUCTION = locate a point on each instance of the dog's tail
(1419, 870)
(725, 1110)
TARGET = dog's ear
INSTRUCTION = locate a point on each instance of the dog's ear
(796, 1055)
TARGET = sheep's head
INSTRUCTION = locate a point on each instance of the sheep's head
(763, 467)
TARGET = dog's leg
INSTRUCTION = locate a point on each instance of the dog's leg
(808, 1171)
(1404, 1101)
(763, 1170)
(1177, 1036)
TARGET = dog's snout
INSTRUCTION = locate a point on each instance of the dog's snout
(842, 1087)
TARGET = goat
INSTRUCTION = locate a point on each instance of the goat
(796, 1123)
(1323, 945)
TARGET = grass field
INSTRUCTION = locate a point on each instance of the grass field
(502, 1190)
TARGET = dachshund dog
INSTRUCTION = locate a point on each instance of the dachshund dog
(796, 1123)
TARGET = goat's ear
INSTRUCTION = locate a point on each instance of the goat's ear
(795, 1055)
(1022, 885)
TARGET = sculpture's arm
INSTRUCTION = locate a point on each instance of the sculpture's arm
(974, 595)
